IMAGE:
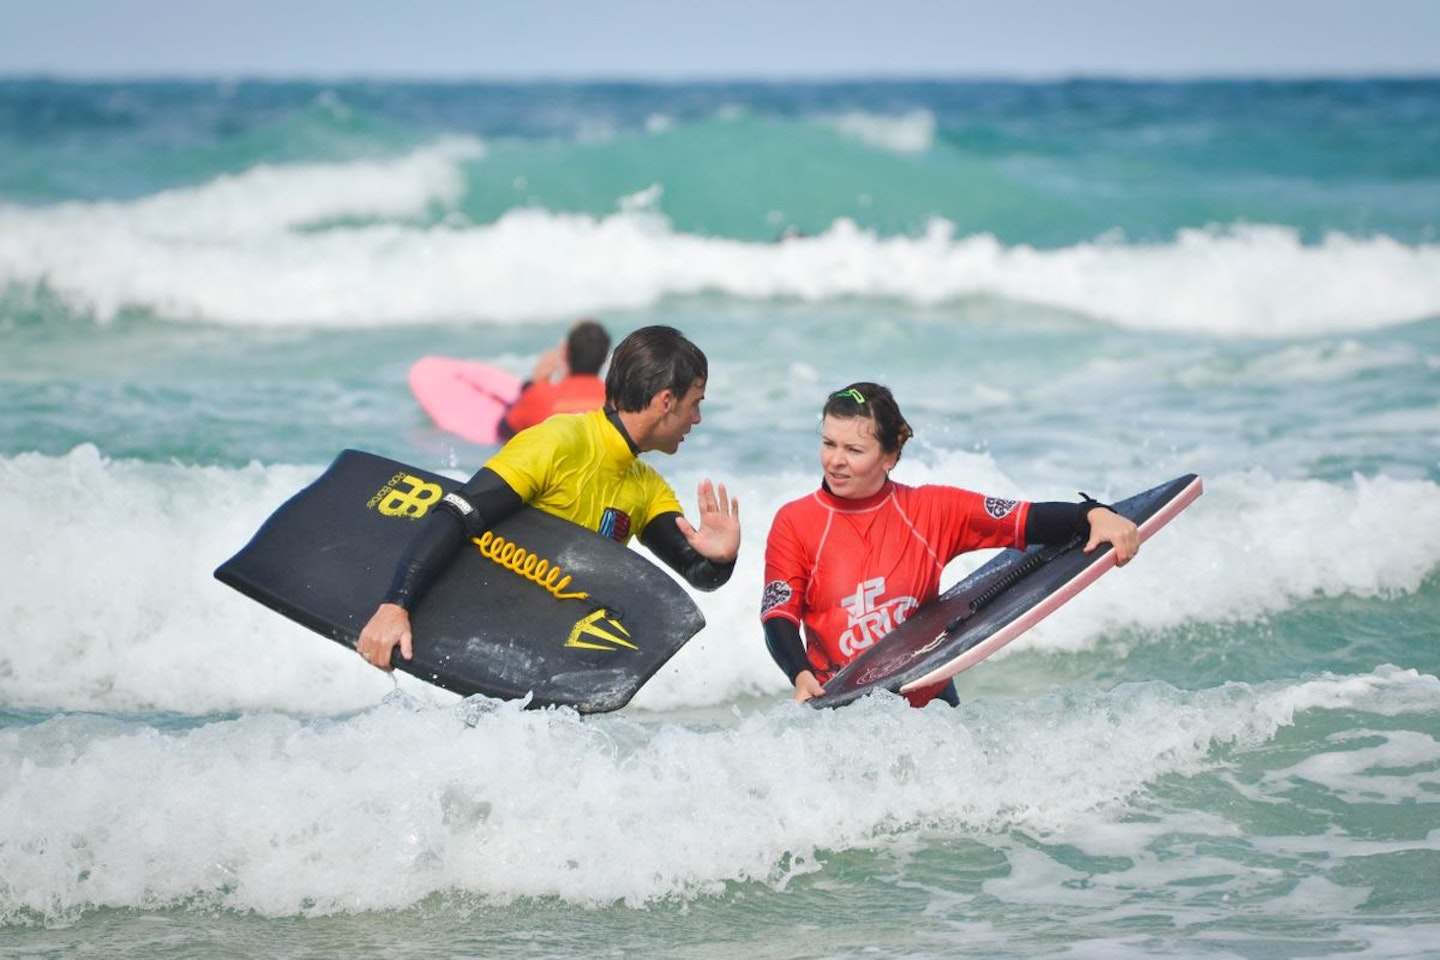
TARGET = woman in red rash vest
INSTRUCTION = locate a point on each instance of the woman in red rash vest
(852, 560)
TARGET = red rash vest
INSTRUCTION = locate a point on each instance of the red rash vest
(850, 571)
(577, 393)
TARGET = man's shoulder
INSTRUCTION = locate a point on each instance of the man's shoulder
(648, 474)
(536, 390)
(588, 380)
(552, 437)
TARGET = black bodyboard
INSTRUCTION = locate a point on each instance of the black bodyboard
(999, 601)
(546, 608)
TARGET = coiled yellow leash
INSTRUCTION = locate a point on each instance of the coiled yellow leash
(519, 560)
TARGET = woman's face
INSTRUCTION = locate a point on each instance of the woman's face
(855, 466)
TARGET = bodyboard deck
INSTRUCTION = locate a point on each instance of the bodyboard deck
(992, 606)
(544, 607)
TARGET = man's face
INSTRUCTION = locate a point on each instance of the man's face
(677, 416)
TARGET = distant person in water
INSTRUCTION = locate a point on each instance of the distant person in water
(585, 468)
(564, 380)
(853, 560)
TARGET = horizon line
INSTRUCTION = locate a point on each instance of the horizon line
(718, 79)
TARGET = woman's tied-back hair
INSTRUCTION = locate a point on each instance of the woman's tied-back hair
(650, 360)
(877, 404)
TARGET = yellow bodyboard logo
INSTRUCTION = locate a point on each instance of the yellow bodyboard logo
(406, 496)
(600, 631)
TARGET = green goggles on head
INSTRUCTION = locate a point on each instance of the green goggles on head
(852, 393)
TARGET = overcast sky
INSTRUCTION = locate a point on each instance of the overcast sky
(679, 39)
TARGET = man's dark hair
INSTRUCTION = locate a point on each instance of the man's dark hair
(587, 346)
(649, 361)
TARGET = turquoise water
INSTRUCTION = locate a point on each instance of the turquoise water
(1229, 749)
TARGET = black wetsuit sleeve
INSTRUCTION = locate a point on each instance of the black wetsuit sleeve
(782, 636)
(663, 538)
(1057, 522)
(483, 501)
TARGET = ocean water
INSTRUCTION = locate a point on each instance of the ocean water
(1231, 748)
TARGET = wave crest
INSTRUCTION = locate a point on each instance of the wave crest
(381, 244)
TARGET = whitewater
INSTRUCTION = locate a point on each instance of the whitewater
(1229, 748)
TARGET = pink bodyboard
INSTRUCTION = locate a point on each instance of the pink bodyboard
(464, 397)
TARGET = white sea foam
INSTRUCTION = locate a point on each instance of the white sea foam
(110, 563)
(284, 816)
(374, 244)
(1401, 767)
(1253, 545)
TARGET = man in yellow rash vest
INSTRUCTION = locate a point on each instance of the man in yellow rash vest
(584, 467)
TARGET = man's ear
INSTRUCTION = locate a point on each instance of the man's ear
(667, 400)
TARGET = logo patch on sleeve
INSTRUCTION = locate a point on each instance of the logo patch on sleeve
(777, 594)
(459, 503)
(615, 524)
(999, 509)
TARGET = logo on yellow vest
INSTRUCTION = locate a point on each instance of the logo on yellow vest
(405, 496)
(600, 631)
